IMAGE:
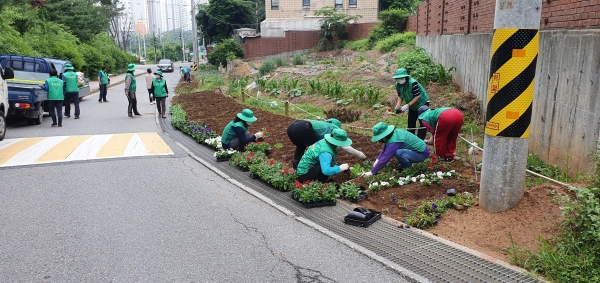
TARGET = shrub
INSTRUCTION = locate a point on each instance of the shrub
(359, 45)
(395, 41)
(266, 67)
(345, 115)
(299, 60)
(226, 48)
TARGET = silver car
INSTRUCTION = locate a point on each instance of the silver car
(165, 65)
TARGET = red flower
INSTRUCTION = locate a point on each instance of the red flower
(238, 160)
(429, 165)
(356, 183)
(271, 161)
(298, 184)
(325, 185)
(307, 182)
(320, 191)
(258, 143)
(393, 171)
(251, 153)
(247, 159)
(267, 130)
(434, 159)
(442, 167)
(287, 170)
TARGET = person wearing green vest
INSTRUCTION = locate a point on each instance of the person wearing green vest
(56, 97)
(161, 92)
(413, 95)
(104, 81)
(130, 88)
(444, 124)
(319, 160)
(183, 71)
(303, 133)
(407, 147)
(236, 134)
(71, 79)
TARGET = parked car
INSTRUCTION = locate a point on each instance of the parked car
(166, 65)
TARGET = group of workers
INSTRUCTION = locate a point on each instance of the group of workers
(62, 92)
(315, 157)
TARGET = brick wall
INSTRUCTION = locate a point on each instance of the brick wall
(295, 40)
(436, 17)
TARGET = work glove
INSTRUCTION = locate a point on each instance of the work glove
(404, 108)
(366, 174)
(361, 155)
(344, 167)
(259, 135)
(429, 141)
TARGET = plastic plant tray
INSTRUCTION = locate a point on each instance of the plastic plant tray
(361, 223)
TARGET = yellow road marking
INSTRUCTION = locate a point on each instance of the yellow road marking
(115, 146)
(154, 144)
(62, 150)
(10, 151)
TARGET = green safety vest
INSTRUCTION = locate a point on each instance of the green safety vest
(183, 70)
(159, 88)
(410, 141)
(432, 116)
(322, 128)
(229, 134)
(311, 156)
(55, 88)
(71, 79)
(133, 85)
(103, 78)
(405, 91)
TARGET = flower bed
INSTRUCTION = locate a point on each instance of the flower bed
(315, 194)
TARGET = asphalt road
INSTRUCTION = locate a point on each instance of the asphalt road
(156, 218)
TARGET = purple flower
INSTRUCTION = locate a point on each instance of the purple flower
(435, 222)
(438, 215)
(393, 198)
(433, 206)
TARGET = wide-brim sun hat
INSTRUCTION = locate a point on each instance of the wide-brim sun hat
(338, 137)
(400, 73)
(69, 67)
(423, 109)
(335, 122)
(381, 130)
(131, 67)
(158, 73)
(247, 115)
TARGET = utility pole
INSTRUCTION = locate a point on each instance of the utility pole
(509, 103)
(153, 27)
(194, 32)
(181, 29)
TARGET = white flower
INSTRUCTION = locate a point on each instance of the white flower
(448, 174)
(400, 182)
(452, 171)
(440, 175)
(422, 180)
(385, 183)
(414, 179)
(374, 184)
(422, 176)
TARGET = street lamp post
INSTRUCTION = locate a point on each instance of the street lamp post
(194, 32)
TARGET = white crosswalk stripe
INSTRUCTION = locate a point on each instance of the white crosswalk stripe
(25, 151)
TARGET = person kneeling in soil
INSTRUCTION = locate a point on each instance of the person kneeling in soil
(318, 162)
(236, 135)
(160, 91)
(444, 125)
(303, 133)
(407, 147)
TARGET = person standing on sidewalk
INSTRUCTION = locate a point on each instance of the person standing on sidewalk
(103, 80)
(444, 125)
(303, 133)
(130, 88)
(71, 79)
(413, 95)
(56, 97)
(149, 79)
(161, 92)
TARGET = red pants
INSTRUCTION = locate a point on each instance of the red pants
(446, 133)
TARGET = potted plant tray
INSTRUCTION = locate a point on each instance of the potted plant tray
(315, 204)
(360, 223)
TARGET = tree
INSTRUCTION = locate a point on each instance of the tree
(82, 17)
(218, 18)
(408, 5)
(226, 49)
(332, 25)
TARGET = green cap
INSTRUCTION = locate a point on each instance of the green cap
(69, 66)
(400, 73)
(334, 121)
(247, 115)
(131, 67)
(338, 137)
(158, 73)
(381, 130)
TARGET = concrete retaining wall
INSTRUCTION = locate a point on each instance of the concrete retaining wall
(565, 124)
